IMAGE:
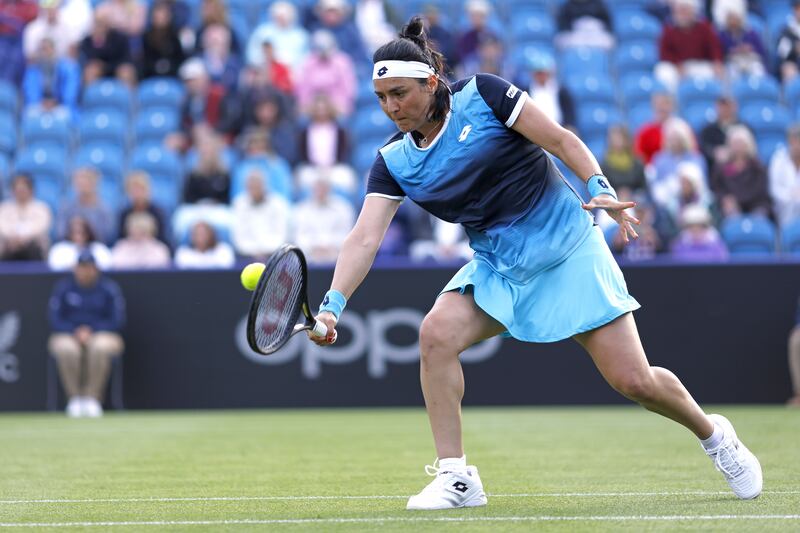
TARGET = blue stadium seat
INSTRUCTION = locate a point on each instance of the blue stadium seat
(48, 189)
(9, 97)
(532, 25)
(107, 95)
(635, 56)
(187, 215)
(46, 129)
(165, 170)
(638, 87)
(749, 235)
(635, 24)
(153, 124)
(372, 123)
(363, 156)
(790, 237)
(699, 114)
(767, 144)
(104, 126)
(639, 115)
(523, 53)
(595, 118)
(43, 160)
(8, 134)
(791, 94)
(583, 60)
(160, 92)
(107, 158)
(693, 90)
(592, 88)
(756, 89)
(765, 118)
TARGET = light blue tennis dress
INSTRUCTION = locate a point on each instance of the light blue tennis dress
(541, 266)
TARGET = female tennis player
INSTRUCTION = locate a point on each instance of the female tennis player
(474, 154)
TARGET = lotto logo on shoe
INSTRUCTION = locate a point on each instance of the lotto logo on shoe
(460, 486)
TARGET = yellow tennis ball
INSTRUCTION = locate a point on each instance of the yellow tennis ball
(251, 274)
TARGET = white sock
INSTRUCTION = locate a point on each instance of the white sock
(714, 440)
(453, 464)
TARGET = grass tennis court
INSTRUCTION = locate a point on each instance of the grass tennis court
(549, 469)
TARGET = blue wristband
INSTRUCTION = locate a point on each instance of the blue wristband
(333, 302)
(598, 184)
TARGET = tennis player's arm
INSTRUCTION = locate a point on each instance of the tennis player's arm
(540, 129)
(361, 245)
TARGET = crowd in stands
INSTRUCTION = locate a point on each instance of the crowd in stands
(198, 133)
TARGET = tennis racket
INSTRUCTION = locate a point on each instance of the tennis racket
(279, 301)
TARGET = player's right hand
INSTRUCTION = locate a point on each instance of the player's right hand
(329, 320)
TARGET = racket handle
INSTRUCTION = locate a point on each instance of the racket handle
(319, 329)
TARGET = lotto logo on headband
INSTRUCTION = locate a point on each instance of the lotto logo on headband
(402, 69)
(382, 71)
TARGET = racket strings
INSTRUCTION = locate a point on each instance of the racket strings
(280, 303)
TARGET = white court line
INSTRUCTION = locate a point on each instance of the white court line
(383, 497)
(623, 518)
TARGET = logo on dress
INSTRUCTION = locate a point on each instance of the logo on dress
(512, 92)
(464, 133)
(383, 70)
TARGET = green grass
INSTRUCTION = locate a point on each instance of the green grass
(584, 464)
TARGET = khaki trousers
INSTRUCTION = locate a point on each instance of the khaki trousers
(84, 370)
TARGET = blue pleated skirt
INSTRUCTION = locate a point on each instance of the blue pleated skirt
(581, 291)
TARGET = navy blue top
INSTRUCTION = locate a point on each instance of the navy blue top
(101, 307)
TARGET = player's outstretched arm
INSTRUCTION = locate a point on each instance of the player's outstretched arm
(358, 253)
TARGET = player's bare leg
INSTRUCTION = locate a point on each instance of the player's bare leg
(618, 353)
(454, 324)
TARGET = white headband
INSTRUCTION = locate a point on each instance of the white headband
(401, 69)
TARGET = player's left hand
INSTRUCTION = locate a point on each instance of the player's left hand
(617, 211)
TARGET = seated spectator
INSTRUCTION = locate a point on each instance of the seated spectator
(25, 223)
(290, 41)
(162, 52)
(140, 249)
(584, 23)
(467, 44)
(269, 115)
(87, 313)
(205, 102)
(329, 71)
(714, 134)
(204, 250)
(86, 203)
(742, 47)
(650, 241)
(125, 16)
(648, 138)
(490, 58)
(137, 188)
(51, 85)
(784, 177)
(222, 66)
(689, 47)
(376, 22)
(680, 146)
(321, 223)
(740, 182)
(260, 219)
(13, 18)
(444, 39)
(789, 45)
(270, 74)
(698, 240)
(51, 25)
(64, 254)
(210, 179)
(335, 16)
(324, 144)
(552, 98)
(105, 53)
(794, 360)
(215, 12)
(621, 166)
(258, 153)
(686, 186)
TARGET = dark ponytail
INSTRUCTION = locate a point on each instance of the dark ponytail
(413, 45)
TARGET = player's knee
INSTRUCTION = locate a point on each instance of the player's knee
(638, 386)
(435, 336)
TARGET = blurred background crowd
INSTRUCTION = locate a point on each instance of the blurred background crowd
(199, 133)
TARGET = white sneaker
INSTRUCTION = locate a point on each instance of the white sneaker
(450, 489)
(740, 467)
(75, 407)
(92, 408)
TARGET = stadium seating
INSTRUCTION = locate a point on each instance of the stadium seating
(187, 215)
(104, 126)
(757, 89)
(107, 95)
(277, 175)
(638, 87)
(153, 124)
(532, 26)
(634, 24)
(749, 235)
(636, 56)
(9, 98)
(595, 118)
(160, 93)
(698, 90)
(8, 134)
(698, 114)
(790, 237)
(591, 89)
(165, 170)
(107, 158)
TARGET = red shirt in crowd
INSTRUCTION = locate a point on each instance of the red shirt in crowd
(698, 41)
